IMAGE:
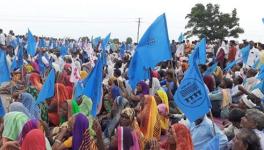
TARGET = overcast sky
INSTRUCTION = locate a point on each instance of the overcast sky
(75, 18)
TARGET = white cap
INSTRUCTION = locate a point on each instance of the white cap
(247, 102)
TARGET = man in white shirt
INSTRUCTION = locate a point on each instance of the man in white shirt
(2, 37)
(253, 55)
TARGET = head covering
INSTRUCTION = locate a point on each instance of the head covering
(164, 109)
(145, 88)
(150, 123)
(86, 105)
(30, 125)
(129, 112)
(28, 101)
(125, 139)
(35, 80)
(248, 102)
(155, 86)
(115, 91)
(13, 124)
(19, 107)
(83, 74)
(182, 137)
(81, 124)
(35, 139)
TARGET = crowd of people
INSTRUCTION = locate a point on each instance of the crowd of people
(146, 118)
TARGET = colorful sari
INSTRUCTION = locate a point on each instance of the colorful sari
(86, 105)
(28, 101)
(35, 80)
(35, 139)
(150, 119)
(81, 124)
(30, 124)
(164, 121)
(13, 124)
(19, 107)
(182, 137)
(88, 142)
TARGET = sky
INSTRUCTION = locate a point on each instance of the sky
(76, 18)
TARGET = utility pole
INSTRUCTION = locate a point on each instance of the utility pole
(138, 29)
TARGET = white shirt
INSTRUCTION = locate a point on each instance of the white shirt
(260, 134)
(2, 39)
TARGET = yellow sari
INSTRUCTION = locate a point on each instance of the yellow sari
(150, 119)
(164, 122)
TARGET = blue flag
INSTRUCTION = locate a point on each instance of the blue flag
(152, 48)
(261, 73)
(230, 65)
(92, 85)
(47, 90)
(192, 96)
(122, 50)
(213, 144)
(4, 71)
(200, 50)
(63, 50)
(18, 60)
(181, 38)
(31, 44)
(245, 52)
(104, 45)
(14, 43)
(260, 86)
(42, 43)
(211, 69)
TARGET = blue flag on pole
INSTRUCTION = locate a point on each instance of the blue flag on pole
(18, 60)
(42, 43)
(200, 49)
(4, 71)
(211, 69)
(213, 144)
(122, 50)
(153, 47)
(261, 73)
(245, 52)
(31, 44)
(47, 90)
(181, 38)
(230, 65)
(104, 45)
(192, 96)
(92, 85)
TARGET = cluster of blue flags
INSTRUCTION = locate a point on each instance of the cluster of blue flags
(42, 43)
(91, 86)
(63, 50)
(153, 47)
(47, 90)
(230, 65)
(192, 96)
(31, 44)
(245, 52)
(4, 71)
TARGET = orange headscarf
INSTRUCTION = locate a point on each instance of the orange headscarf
(35, 80)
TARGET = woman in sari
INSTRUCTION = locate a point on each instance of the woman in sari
(13, 124)
(149, 119)
(28, 101)
(35, 139)
(162, 98)
(29, 126)
(179, 138)
(35, 80)
(64, 76)
(19, 107)
(124, 140)
(78, 125)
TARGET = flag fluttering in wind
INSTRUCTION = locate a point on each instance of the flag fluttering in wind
(31, 44)
(47, 90)
(153, 47)
(192, 96)
(4, 71)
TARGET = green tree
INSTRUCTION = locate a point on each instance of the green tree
(129, 40)
(210, 22)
